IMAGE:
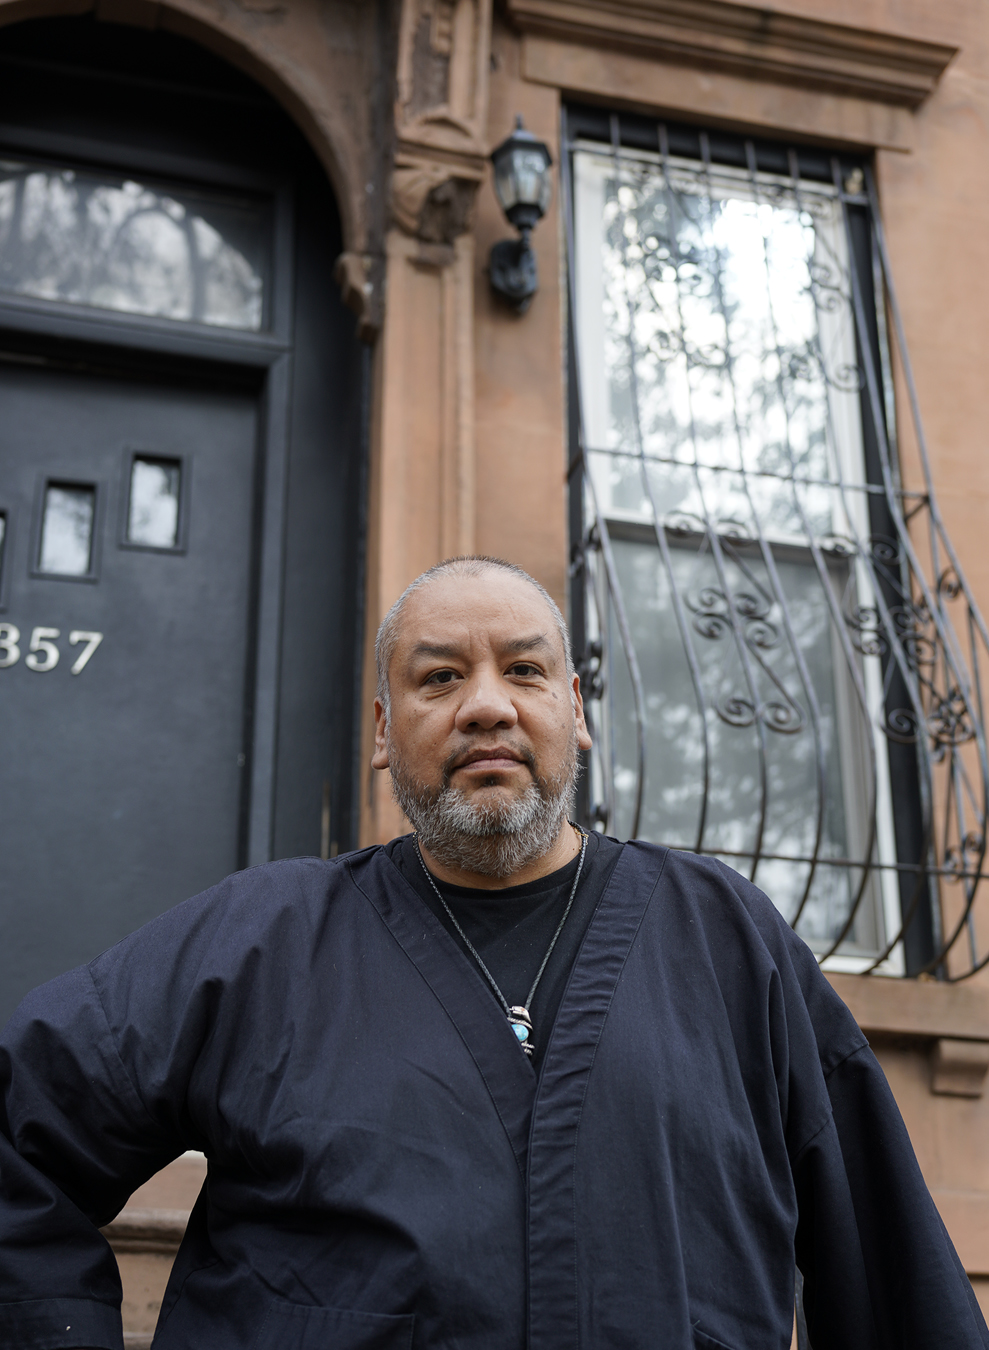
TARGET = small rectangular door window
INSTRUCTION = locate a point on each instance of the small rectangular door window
(67, 529)
(153, 503)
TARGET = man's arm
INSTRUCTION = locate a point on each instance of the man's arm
(75, 1141)
(879, 1268)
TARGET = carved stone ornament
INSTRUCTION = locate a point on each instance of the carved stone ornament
(433, 200)
(359, 276)
(441, 156)
(443, 74)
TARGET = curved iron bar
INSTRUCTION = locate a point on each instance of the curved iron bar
(974, 623)
(716, 552)
(869, 556)
(938, 534)
(865, 551)
(606, 748)
(759, 633)
(834, 606)
(663, 544)
(593, 689)
(607, 554)
(628, 648)
(862, 551)
(769, 560)
(898, 651)
(955, 681)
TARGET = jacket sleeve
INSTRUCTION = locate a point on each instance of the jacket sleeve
(75, 1140)
(106, 1075)
(879, 1268)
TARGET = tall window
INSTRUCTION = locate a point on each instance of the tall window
(768, 657)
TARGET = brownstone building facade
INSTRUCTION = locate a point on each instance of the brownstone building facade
(433, 419)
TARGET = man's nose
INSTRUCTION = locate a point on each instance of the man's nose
(487, 703)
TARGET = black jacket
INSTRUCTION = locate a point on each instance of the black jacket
(386, 1171)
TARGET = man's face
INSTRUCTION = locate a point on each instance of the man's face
(480, 698)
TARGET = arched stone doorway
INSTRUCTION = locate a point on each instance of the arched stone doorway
(181, 472)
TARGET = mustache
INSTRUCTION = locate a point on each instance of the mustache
(455, 758)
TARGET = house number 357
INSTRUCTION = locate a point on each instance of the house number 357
(42, 653)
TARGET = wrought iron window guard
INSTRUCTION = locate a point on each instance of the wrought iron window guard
(904, 632)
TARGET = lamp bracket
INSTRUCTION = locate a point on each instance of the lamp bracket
(513, 272)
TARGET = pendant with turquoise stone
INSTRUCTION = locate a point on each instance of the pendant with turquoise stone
(521, 1023)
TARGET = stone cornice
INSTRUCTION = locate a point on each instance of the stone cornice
(921, 1009)
(147, 1230)
(761, 43)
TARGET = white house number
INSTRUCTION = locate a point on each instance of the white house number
(42, 653)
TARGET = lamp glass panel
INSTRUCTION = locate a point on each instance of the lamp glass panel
(531, 178)
(504, 182)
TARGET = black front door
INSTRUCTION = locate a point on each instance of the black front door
(123, 647)
(180, 435)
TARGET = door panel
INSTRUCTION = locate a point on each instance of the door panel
(120, 786)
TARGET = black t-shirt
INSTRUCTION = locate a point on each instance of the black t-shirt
(512, 928)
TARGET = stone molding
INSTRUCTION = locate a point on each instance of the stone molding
(761, 43)
(440, 116)
(147, 1230)
(953, 1019)
(923, 1009)
(444, 50)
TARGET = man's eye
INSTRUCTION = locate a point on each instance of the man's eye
(525, 670)
(442, 677)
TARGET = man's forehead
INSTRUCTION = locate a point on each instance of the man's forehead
(503, 608)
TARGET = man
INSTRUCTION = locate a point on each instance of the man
(497, 1084)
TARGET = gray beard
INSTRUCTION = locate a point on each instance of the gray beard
(493, 839)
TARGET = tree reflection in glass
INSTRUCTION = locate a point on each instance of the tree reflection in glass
(153, 510)
(67, 530)
(675, 777)
(122, 245)
(720, 399)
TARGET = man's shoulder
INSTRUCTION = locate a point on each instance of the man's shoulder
(248, 907)
(696, 893)
(704, 879)
(283, 881)
(723, 919)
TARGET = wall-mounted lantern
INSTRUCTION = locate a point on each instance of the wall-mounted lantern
(523, 186)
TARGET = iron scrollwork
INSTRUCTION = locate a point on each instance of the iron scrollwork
(908, 645)
(713, 611)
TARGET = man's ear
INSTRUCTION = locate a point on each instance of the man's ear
(584, 741)
(379, 760)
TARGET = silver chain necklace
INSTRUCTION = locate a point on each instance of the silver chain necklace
(518, 1018)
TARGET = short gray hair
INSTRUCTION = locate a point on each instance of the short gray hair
(470, 565)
